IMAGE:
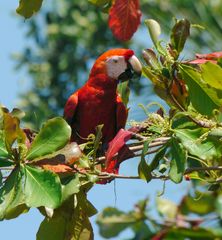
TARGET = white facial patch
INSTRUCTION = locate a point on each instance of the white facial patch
(115, 65)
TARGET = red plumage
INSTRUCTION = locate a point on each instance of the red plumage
(97, 102)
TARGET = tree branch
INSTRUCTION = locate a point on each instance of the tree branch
(136, 148)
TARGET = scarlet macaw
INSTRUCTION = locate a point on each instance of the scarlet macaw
(98, 102)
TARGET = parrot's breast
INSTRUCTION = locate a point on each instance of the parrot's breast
(95, 107)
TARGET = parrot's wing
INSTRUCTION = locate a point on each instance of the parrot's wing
(70, 107)
(121, 114)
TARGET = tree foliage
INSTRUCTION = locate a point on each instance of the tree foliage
(42, 169)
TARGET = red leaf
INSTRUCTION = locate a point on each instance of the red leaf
(115, 146)
(201, 61)
(213, 55)
(124, 18)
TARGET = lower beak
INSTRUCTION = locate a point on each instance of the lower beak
(133, 70)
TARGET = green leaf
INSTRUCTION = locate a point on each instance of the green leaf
(3, 150)
(12, 197)
(159, 155)
(67, 223)
(84, 203)
(113, 221)
(97, 140)
(216, 132)
(42, 188)
(100, 2)
(5, 162)
(219, 205)
(178, 161)
(166, 208)
(204, 205)
(205, 148)
(154, 30)
(203, 98)
(70, 187)
(53, 228)
(17, 113)
(211, 74)
(192, 233)
(179, 34)
(142, 231)
(143, 168)
(124, 91)
(53, 136)
(28, 8)
(151, 59)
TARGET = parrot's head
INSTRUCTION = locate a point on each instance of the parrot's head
(117, 64)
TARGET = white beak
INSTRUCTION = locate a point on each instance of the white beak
(135, 63)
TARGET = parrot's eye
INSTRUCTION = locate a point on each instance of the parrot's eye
(115, 60)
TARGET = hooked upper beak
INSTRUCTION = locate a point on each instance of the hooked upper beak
(134, 69)
(135, 64)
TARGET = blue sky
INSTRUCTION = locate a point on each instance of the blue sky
(128, 192)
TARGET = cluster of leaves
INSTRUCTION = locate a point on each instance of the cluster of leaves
(124, 15)
(29, 179)
(193, 94)
(182, 221)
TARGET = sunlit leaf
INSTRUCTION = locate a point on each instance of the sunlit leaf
(203, 98)
(28, 8)
(124, 18)
(42, 188)
(206, 149)
(211, 74)
(53, 136)
(154, 29)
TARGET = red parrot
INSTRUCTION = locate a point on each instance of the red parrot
(98, 102)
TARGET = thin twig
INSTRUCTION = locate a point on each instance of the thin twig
(193, 169)
(105, 175)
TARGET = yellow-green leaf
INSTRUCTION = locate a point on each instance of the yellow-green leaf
(27, 8)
